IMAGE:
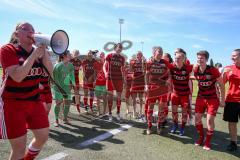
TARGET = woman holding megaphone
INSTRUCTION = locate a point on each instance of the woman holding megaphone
(20, 101)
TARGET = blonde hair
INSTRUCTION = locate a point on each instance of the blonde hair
(183, 55)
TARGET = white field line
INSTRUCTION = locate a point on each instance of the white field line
(104, 136)
(60, 155)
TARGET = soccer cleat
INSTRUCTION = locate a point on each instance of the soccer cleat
(199, 142)
(65, 121)
(149, 131)
(56, 123)
(164, 123)
(110, 118)
(159, 129)
(207, 147)
(118, 117)
(232, 147)
(181, 131)
(91, 109)
(144, 120)
(174, 128)
(86, 109)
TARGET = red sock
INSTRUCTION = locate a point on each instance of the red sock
(166, 111)
(199, 128)
(78, 108)
(184, 116)
(161, 117)
(146, 108)
(91, 102)
(110, 103)
(118, 105)
(31, 153)
(149, 117)
(208, 137)
(175, 117)
(85, 100)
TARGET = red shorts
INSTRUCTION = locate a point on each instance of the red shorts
(210, 104)
(115, 85)
(162, 99)
(46, 97)
(88, 86)
(180, 100)
(127, 92)
(137, 88)
(20, 116)
(156, 92)
(138, 85)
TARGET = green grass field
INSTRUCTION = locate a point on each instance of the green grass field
(131, 144)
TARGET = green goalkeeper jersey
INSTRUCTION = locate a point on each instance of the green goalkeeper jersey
(63, 74)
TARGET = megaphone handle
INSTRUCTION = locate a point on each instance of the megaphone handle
(54, 82)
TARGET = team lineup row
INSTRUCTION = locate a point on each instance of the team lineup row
(159, 81)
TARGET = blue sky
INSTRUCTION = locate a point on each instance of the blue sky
(193, 25)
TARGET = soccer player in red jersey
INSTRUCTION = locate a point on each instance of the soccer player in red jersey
(138, 67)
(114, 71)
(168, 58)
(157, 87)
(89, 76)
(207, 77)
(187, 62)
(127, 85)
(231, 114)
(100, 84)
(21, 107)
(77, 65)
(180, 73)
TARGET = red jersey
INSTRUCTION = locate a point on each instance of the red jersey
(100, 79)
(138, 68)
(158, 71)
(206, 82)
(233, 78)
(28, 88)
(88, 69)
(180, 79)
(115, 64)
(77, 65)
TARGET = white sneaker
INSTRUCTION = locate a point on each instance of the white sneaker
(118, 117)
(110, 118)
(149, 131)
